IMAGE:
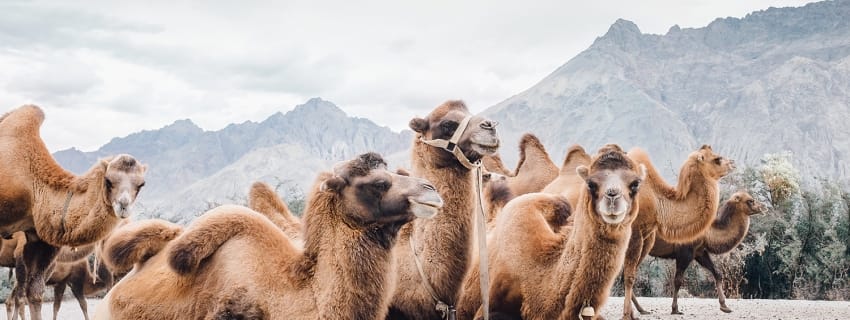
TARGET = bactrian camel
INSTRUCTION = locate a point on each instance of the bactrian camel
(233, 263)
(726, 232)
(444, 245)
(535, 168)
(64, 209)
(677, 214)
(538, 273)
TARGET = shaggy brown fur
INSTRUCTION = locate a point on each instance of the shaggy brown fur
(444, 244)
(137, 242)
(537, 273)
(35, 191)
(263, 199)
(535, 169)
(727, 231)
(233, 263)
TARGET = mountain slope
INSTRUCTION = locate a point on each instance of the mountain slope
(774, 80)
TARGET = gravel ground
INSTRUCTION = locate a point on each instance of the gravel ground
(698, 309)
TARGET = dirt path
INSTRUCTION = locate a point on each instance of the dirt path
(709, 309)
(697, 309)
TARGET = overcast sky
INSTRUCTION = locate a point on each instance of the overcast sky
(107, 69)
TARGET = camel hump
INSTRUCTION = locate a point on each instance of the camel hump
(137, 242)
(263, 199)
(26, 119)
(530, 143)
(210, 232)
(576, 156)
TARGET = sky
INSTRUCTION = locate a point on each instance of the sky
(105, 69)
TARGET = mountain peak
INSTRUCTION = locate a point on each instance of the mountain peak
(183, 125)
(623, 27)
(318, 106)
(623, 34)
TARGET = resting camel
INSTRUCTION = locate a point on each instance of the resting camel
(233, 263)
(726, 232)
(677, 214)
(535, 168)
(444, 245)
(263, 199)
(63, 209)
(537, 273)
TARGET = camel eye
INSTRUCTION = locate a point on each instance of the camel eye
(108, 184)
(718, 160)
(141, 185)
(633, 187)
(448, 125)
(592, 186)
(750, 202)
(381, 185)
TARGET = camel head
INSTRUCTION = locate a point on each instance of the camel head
(124, 178)
(711, 164)
(613, 181)
(479, 136)
(744, 202)
(371, 194)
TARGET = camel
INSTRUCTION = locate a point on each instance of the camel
(77, 276)
(677, 214)
(537, 273)
(63, 209)
(233, 263)
(727, 231)
(444, 245)
(535, 169)
(263, 199)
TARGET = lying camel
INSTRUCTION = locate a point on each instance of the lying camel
(537, 273)
(444, 245)
(220, 266)
(535, 169)
(727, 231)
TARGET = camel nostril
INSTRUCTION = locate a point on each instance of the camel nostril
(612, 193)
(488, 124)
(429, 187)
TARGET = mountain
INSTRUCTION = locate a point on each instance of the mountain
(775, 80)
(189, 168)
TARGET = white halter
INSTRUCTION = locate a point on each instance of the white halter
(451, 144)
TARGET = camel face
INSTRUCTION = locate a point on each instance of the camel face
(745, 203)
(613, 183)
(381, 196)
(479, 137)
(124, 178)
(712, 164)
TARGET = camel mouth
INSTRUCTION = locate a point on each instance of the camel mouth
(486, 148)
(613, 218)
(425, 209)
(121, 211)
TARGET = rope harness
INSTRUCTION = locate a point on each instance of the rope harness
(448, 311)
(65, 213)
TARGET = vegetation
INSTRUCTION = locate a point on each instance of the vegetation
(799, 249)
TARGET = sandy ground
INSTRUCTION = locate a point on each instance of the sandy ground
(699, 309)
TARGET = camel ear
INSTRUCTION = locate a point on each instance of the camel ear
(419, 125)
(700, 158)
(104, 163)
(144, 168)
(402, 172)
(334, 184)
(642, 172)
(583, 172)
(736, 198)
(705, 147)
(486, 177)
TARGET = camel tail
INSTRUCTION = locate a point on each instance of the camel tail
(208, 234)
(137, 242)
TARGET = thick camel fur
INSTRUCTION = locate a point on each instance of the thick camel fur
(234, 263)
(535, 169)
(444, 244)
(263, 199)
(136, 242)
(537, 273)
(726, 232)
(64, 209)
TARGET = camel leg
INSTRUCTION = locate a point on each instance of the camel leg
(705, 261)
(58, 292)
(18, 299)
(40, 257)
(683, 260)
(634, 256)
(79, 293)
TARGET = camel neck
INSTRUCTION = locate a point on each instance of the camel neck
(88, 216)
(728, 230)
(689, 213)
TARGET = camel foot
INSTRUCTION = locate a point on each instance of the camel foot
(644, 312)
(725, 309)
(630, 317)
(677, 312)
